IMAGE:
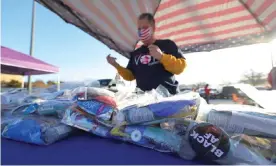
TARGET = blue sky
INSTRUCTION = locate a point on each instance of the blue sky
(78, 55)
(82, 57)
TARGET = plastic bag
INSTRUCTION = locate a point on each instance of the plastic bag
(14, 97)
(155, 105)
(210, 142)
(18, 101)
(48, 108)
(73, 117)
(88, 93)
(266, 147)
(128, 98)
(186, 138)
(34, 129)
(98, 109)
(156, 111)
(150, 137)
(238, 119)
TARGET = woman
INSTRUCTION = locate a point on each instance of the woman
(155, 62)
(207, 93)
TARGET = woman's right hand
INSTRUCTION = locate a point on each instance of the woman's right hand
(111, 60)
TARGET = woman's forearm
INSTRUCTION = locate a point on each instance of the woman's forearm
(173, 64)
(125, 73)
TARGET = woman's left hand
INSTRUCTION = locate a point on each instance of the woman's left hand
(155, 52)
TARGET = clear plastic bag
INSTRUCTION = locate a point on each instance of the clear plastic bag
(239, 119)
(146, 136)
(89, 93)
(157, 107)
(208, 141)
(152, 112)
(98, 109)
(45, 108)
(149, 137)
(73, 117)
(34, 129)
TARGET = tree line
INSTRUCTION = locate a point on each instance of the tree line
(35, 84)
(250, 77)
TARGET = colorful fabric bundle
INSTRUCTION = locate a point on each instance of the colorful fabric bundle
(34, 129)
(92, 111)
(149, 137)
(98, 109)
(98, 94)
(146, 136)
(76, 118)
(157, 111)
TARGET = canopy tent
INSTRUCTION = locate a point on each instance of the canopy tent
(195, 25)
(14, 62)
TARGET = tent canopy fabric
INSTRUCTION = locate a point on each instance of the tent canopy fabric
(195, 25)
(14, 62)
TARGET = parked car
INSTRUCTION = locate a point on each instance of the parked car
(214, 93)
(262, 88)
(201, 92)
(227, 92)
(105, 82)
(111, 84)
(185, 89)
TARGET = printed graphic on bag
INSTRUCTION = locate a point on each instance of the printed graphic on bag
(209, 141)
(98, 109)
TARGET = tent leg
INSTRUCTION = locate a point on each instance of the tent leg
(58, 83)
(31, 45)
(29, 84)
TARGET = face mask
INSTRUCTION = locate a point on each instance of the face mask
(145, 34)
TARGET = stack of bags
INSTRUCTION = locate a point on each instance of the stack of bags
(162, 124)
(34, 129)
(251, 126)
(96, 112)
(37, 120)
(92, 111)
(150, 120)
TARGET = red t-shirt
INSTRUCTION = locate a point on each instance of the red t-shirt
(207, 90)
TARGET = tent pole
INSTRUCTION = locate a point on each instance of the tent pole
(31, 45)
(253, 15)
